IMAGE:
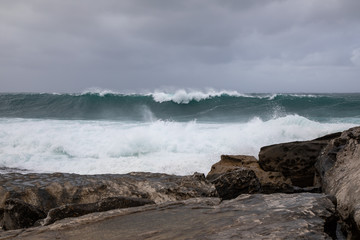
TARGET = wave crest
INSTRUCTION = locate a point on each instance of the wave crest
(183, 96)
(98, 91)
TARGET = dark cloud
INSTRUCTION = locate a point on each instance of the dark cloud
(249, 46)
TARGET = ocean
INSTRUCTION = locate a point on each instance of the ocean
(179, 132)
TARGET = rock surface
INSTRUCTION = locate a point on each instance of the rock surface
(76, 210)
(258, 216)
(270, 182)
(48, 191)
(339, 169)
(18, 214)
(295, 160)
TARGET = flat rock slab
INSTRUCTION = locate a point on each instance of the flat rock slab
(258, 216)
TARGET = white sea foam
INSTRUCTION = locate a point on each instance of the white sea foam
(89, 147)
(99, 91)
(185, 96)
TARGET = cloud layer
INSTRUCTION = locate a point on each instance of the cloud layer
(249, 46)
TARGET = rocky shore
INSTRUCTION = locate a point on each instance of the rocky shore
(296, 190)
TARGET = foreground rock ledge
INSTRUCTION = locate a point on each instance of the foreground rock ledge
(257, 216)
(78, 194)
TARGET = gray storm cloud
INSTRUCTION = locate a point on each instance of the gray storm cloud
(249, 46)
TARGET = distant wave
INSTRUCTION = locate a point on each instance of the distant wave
(184, 96)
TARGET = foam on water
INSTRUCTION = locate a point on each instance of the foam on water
(90, 147)
(183, 96)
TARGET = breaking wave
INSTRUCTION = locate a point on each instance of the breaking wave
(180, 105)
(92, 147)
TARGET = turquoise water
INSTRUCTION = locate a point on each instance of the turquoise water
(181, 106)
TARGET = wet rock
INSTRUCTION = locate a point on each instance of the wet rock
(257, 216)
(239, 181)
(270, 181)
(295, 160)
(47, 191)
(339, 169)
(18, 214)
(76, 210)
(1, 218)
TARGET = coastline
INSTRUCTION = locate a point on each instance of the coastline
(67, 204)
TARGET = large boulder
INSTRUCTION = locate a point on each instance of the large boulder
(339, 169)
(257, 216)
(295, 160)
(270, 182)
(231, 184)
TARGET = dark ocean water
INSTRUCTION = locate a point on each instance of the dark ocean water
(180, 132)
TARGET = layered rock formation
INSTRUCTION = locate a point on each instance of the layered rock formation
(258, 216)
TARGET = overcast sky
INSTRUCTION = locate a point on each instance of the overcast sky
(137, 45)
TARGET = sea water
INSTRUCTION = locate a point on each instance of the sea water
(179, 132)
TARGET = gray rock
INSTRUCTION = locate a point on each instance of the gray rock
(339, 169)
(18, 214)
(257, 216)
(294, 160)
